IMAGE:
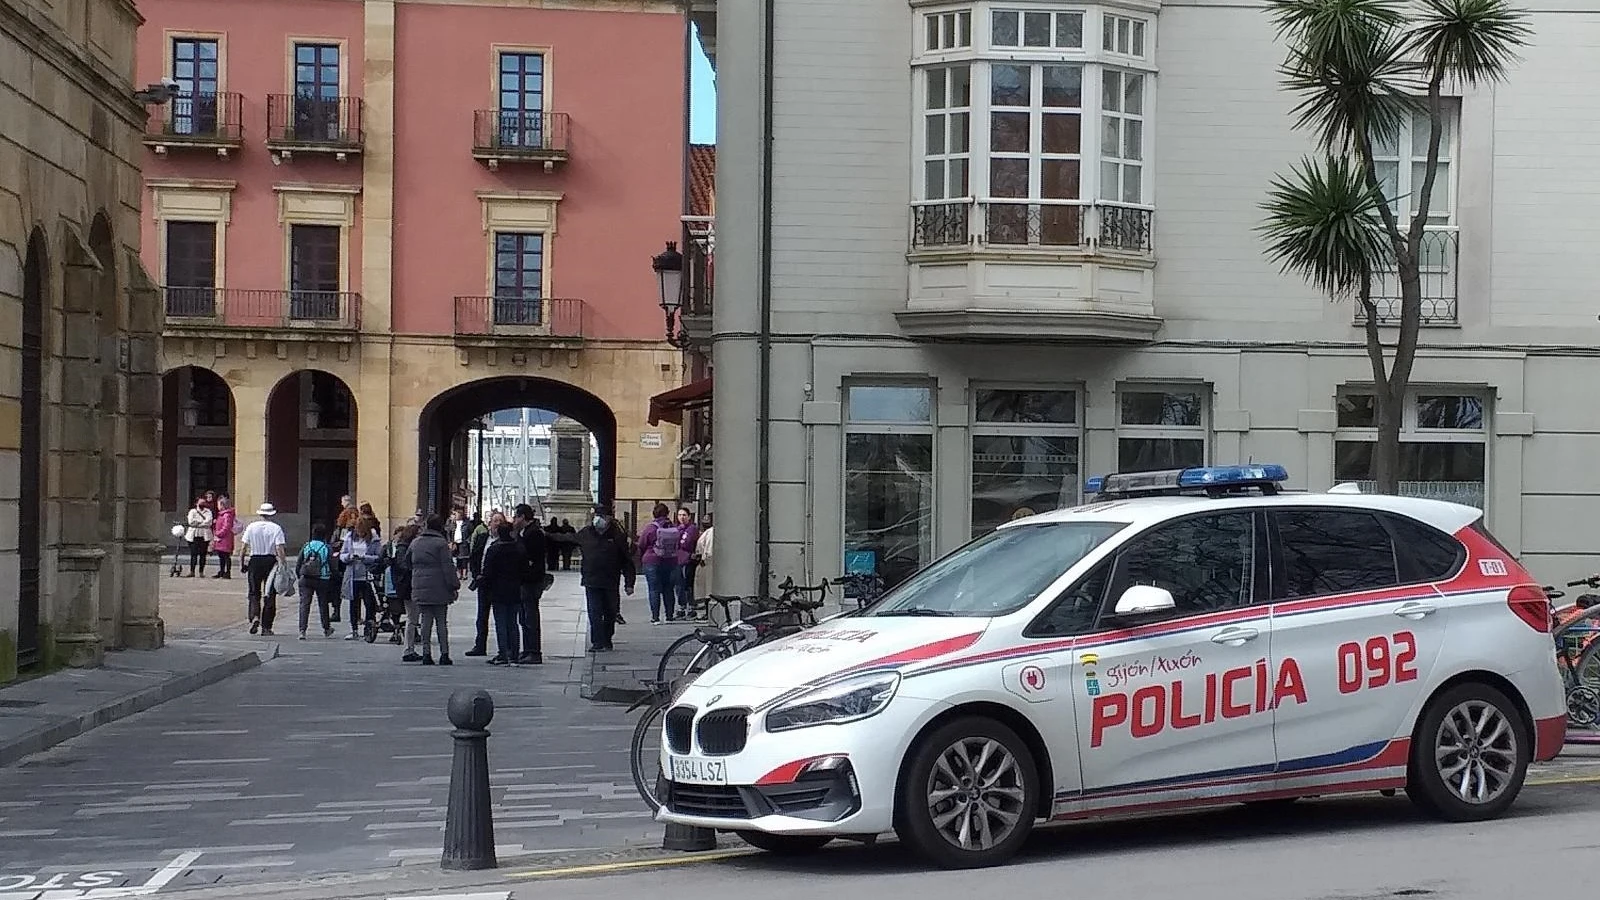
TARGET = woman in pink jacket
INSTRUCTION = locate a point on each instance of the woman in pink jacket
(226, 526)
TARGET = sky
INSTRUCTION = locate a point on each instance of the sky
(702, 99)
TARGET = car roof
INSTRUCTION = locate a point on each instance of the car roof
(1143, 511)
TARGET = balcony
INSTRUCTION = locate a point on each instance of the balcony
(1017, 270)
(514, 136)
(330, 126)
(519, 321)
(697, 272)
(228, 312)
(212, 122)
(1440, 262)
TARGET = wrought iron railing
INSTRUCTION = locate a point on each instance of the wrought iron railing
(697, 275)
(198, 118)
(1467, 493)
(516, 314)
(235, 308)
(1438, 259)
(513, 132)
(1066, 224)
(302, 120)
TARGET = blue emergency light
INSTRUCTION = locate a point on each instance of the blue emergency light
(1196, 479)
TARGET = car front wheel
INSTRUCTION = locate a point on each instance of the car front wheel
(1470, 755)
(969, 796)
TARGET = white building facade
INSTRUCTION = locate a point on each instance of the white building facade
(1012, 245)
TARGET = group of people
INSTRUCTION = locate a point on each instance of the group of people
(210, 528)
(407, 582)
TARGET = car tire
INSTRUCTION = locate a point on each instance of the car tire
(1471, 739)
(1012, 793)
(785, 844)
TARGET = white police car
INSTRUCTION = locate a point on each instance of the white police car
(1193, 638)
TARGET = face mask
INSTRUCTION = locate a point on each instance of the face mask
(599, 523)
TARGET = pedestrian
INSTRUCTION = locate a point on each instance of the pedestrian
(703, 552)
(526, 524)
(434, 586)
(568, 547)
(552, 548)
(224, 530)
(398, 606)
(360, 553)
(500, 587)
(366, 512)
(607, 561)
(261, 547)
(343, 526)
(199, 534)
(658, 547)
(689, 532)
(481, 536)
(460, 538)
(316, 579)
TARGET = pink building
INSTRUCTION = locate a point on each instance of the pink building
(376, 221)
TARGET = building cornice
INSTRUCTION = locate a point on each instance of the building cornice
(190, 184)
(53, 47)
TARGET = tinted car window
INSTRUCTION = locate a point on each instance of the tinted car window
(1207, 562)
(1332, 551)
(1075, 611)
(1434, 555)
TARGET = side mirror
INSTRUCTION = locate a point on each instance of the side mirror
(1145, 599)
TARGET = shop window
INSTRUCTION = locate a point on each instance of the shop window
(1025, 446)
(888, 480)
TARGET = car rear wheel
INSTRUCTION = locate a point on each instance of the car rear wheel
(969, 796)
(1470, 755)
(785, 844)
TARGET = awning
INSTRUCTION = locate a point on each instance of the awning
(669, 406)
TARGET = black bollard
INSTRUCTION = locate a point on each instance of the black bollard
(469, 820)
(690, 838)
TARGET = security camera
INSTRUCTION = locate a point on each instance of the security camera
(157, 94)
(171, 84)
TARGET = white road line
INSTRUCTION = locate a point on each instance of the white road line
(302, 820)
(489, 895)
(22, 833)
(221, 762)
(204, 731)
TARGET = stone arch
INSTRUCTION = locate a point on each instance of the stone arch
(447, 414)
(198, 416)
(312, 421)
(36, 288)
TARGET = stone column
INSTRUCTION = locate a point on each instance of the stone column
(250, 444)
(142, 627)
(570, 464)
(72, 404)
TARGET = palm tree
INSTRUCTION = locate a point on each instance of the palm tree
(1361, 69)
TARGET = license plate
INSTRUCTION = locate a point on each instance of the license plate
(689, 770)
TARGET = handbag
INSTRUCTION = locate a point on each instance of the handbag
(283, 581)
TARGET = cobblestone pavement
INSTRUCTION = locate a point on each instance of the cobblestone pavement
(334, 757)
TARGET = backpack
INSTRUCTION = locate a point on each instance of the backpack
(667, 539)
(312, 562)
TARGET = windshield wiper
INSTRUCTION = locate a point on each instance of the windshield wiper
(917, 611)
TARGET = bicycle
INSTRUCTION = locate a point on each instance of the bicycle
(865, 587)
(1578, 651)
(788, 614)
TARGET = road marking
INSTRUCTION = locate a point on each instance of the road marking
(491, 895)
(1564, 779)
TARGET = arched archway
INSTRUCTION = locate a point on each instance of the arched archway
(311, 449)
(30, 524)
(448, 414)
(197, 433)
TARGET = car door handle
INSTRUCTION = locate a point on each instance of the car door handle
(1235, 637)
(1416, 610)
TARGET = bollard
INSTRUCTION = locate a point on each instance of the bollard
(691, 838)
(469, 819)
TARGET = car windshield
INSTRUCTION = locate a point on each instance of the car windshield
(996, 574)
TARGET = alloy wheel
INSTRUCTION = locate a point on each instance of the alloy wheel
(1476, 752)
(976, 793)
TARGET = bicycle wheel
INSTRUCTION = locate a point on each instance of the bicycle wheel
(1586, 672)
(677, 658)
(645, 751)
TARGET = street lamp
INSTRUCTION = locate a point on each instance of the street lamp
(190, 411)
(313, 416)
(668, 266)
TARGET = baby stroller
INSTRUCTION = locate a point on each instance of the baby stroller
(178, 546)
(391, 609)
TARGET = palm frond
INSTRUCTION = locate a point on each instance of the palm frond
(1322, 224)
(1472, 41)
(1368, 89)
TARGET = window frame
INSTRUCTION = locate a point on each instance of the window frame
(1411, 433)
(1405, 161)
(165, 226)
(928, 429)
(1074, 429)
(1202, 432)
(1093, 61)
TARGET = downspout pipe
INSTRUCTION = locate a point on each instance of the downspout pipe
(764, 336)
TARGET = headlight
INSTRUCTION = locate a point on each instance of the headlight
(845, 701)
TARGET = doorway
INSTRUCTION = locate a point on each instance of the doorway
(31, 500)
(330, 481)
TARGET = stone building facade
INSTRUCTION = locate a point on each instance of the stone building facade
(79, 342)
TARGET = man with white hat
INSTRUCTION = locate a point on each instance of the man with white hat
(261, 547)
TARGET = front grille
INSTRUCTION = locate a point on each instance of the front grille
(716, 800)
(797, 798)
(680, 720)
(723, 731)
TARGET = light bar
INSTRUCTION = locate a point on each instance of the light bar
(1196, 477)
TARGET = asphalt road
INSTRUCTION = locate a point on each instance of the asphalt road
(1354, 849)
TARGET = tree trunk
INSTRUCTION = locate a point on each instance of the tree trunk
(1386, 452)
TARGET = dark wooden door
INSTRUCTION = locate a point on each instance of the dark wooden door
(330, 481)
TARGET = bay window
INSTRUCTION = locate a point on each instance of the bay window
(1039, 132)
(1443, 443)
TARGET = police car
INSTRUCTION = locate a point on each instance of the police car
(1192, 638)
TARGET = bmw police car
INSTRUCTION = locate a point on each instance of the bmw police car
(1191, 638)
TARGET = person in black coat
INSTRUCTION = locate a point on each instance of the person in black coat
(526, 525)
(552, 549)
(607, 560)
(480, 541)
(500, 582)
